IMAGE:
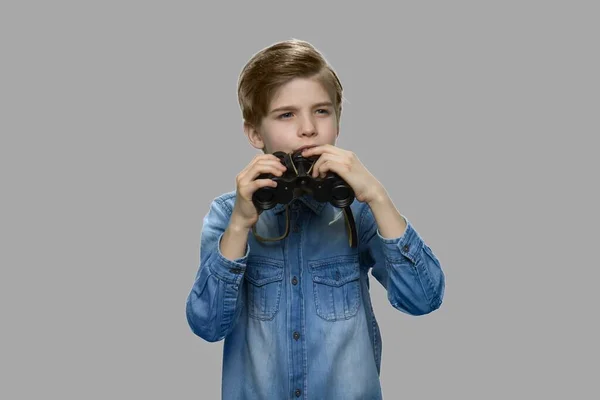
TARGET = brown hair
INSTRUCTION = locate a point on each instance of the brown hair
(274, 66)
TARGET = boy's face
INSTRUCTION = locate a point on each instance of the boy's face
(300, 114)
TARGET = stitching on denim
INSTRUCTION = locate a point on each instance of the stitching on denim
(268, 313)
(261, 312)
(354, 299)
(421, 262)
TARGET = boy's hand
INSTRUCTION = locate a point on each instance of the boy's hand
(347, 165)
(244, 213)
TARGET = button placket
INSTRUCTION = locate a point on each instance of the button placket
(296, 218)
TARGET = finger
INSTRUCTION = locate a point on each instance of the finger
(268, 165)
(275, 163)
(321, 165)
(260, 164)
(268, 156)
(258, 183)
(334, 166)
(257, 158)
(262, 158)
(273, 160)
(317, 164)
(247, 179)
(248, 190)
(265, 167)
(322, 149)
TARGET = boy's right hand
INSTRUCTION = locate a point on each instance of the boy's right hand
(244, 213)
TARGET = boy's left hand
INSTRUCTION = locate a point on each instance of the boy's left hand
(347, 165)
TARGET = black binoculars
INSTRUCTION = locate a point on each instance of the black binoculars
(297, 179)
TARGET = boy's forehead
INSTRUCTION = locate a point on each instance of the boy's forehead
(298, 92)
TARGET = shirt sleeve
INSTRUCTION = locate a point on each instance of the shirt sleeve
(406, 266)
(213, 303)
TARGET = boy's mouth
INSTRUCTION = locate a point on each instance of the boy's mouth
(299, 149)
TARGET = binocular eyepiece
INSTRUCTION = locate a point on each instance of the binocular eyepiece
(297, 179)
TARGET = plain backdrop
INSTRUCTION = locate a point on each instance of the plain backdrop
(119, 124)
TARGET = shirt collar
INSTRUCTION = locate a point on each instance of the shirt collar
(306, 199)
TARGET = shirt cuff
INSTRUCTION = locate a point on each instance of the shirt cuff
(231, 271)
(408, 245)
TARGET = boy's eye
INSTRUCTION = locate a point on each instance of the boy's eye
(289, 114)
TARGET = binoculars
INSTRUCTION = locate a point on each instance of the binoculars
(297, 179)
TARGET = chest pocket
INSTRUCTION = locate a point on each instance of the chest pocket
(264, 278)
(336, 287)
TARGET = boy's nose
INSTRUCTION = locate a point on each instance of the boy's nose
(308, 128)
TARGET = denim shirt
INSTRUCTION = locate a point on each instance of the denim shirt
(296, 314)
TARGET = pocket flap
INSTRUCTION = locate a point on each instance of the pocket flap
(259, 272)
(336, 272)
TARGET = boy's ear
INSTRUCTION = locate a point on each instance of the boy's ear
(253, 136)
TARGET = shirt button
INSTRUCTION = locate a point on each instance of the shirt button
(298, 392)
(405, 248)
(296, 228)
(296, 335)
(294, 281)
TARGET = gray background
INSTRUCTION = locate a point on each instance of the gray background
(120, 124)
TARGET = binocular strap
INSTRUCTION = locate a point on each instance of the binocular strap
(350, 228)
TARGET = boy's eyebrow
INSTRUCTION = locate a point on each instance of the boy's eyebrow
(322, 104)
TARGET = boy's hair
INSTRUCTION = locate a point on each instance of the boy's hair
(276, 65)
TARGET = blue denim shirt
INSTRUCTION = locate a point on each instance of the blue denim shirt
(296, 314)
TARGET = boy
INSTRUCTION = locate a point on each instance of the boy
(296, 313)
